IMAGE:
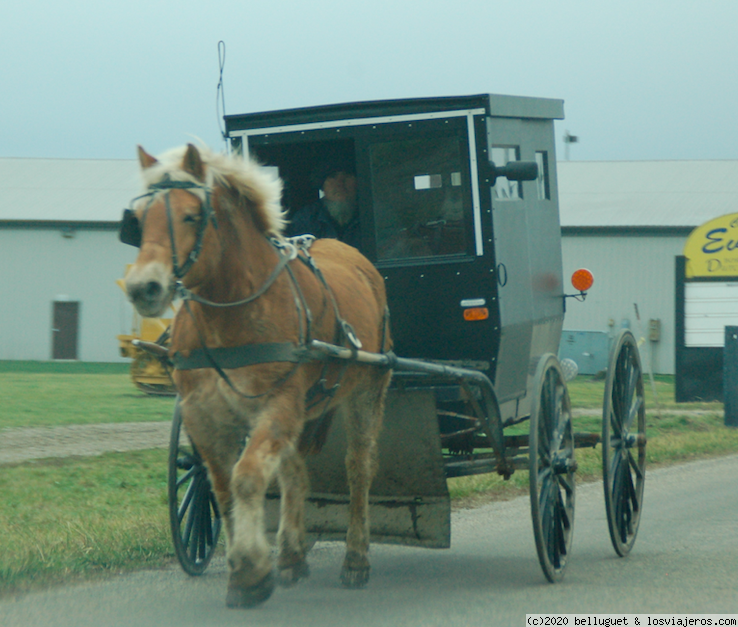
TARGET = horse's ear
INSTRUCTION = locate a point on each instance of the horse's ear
(192, 163)
(145, 159)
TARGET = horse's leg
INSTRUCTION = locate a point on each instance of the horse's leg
(250, 580)
(220, 481)
(219, 454)
(293, 481)
(273, 439)
(363, 424)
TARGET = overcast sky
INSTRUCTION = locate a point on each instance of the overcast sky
(641, 79)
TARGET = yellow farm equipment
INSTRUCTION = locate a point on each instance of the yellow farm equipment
(148, 372)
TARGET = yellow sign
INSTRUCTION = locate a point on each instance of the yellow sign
(712, 249)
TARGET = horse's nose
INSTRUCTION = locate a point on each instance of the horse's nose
(153, 290)
(149, 291)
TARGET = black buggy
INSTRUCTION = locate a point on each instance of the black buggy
(458, 209)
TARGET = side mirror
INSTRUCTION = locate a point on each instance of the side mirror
(515, 171)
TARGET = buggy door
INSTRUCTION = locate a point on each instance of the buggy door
(422, 179)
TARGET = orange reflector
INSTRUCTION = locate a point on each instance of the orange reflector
(476, 313)
(582, 279)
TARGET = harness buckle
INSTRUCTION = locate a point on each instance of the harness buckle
(350, 334)
(302, 242)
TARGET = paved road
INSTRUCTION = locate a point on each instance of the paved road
(685, 560)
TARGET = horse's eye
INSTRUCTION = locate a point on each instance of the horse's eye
(191, 219)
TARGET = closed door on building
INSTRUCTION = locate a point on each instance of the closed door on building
(65, 329)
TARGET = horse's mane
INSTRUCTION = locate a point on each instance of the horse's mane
(244, 175)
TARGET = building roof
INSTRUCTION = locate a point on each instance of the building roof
(61, 190)
(595, 194)
(646, 193)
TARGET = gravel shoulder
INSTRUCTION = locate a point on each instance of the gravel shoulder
(24, 444)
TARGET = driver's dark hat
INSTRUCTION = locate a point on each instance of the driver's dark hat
(328, 167)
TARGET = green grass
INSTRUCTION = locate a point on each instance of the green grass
(36, 394)
(64, 367)
(78, 518)
(588, 392)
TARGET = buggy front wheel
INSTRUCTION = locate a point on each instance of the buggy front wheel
(193, 512)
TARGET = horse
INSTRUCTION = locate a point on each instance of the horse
(209, 230)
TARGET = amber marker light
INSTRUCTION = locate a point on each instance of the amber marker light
(476, 313)
(582, 279)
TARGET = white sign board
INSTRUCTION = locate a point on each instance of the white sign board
(708, 309)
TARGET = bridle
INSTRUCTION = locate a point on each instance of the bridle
(131, 229)
(131, 232)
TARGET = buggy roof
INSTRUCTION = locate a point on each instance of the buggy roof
(493, 104)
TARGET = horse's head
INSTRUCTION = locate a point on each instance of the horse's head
(169, 225)
(174, 222)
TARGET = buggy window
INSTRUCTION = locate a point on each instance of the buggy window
(542, 183)
(420, 193)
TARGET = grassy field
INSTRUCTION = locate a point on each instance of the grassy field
(78, 518)
(41, 394)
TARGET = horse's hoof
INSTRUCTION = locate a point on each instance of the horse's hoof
(354, 579)
(252, 596)
(291, 575)
(355, 571)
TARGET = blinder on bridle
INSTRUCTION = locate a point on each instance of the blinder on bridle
(131, 230)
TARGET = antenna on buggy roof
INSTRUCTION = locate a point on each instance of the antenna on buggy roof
(220, 93)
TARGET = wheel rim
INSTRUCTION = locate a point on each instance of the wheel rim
(624, 443)
(552, 467)
(193, 512)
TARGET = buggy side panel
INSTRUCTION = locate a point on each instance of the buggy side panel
(409, 498)
(527, 239)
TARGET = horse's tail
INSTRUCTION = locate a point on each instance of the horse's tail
(315, 434)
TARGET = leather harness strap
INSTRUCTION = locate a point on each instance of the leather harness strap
(240, 356)
(230, 358)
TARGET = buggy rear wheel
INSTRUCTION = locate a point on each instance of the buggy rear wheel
(552, 467)
(624, 443)
(193, 512)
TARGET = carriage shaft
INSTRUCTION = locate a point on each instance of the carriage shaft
(492, 419)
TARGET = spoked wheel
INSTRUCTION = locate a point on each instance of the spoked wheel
(552, 467)
(193, 511)
(624, 443)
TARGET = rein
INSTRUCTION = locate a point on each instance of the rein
(221, 358)
(284, 258)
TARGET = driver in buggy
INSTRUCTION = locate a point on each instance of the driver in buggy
(334, 214)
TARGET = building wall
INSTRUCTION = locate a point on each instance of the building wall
(41, 266)
(627, 269)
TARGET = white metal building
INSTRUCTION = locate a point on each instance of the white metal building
(60, 257)
(625, 221)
